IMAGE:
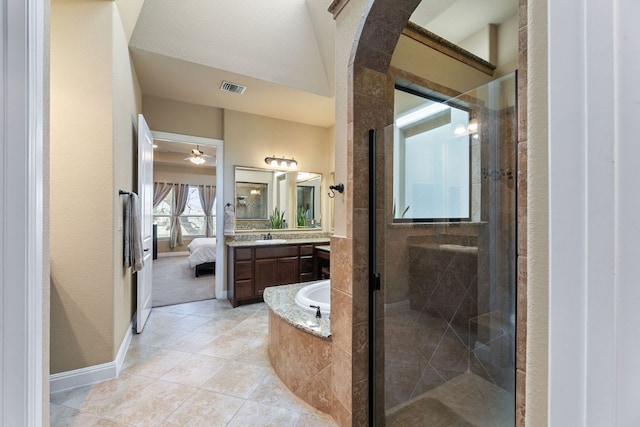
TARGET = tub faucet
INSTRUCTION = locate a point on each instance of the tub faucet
(318, 314)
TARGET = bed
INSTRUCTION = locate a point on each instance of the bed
(202, 255)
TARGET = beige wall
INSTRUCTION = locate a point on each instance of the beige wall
(127, 104)
(166, 115)
(184, 175)
(432, 65)
(249, 138)
(507, 47)
(92, 116)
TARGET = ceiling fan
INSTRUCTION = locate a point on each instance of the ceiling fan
(198, 157)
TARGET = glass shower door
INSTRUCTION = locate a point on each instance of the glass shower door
(447, 346)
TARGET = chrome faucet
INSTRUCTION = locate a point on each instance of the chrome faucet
(318, 314)
(267, 236)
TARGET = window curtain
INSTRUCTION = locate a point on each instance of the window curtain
(160, 191)
(207, 196)
(178, 204)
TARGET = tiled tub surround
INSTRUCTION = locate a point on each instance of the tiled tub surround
(281, 301)
(300, 354)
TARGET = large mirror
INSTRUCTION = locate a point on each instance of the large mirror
(273, 199)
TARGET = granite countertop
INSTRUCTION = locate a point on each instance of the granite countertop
(302, 241)
(281, 300)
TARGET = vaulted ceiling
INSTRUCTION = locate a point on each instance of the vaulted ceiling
(281, 50)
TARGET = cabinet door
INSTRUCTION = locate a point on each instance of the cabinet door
(306, 268)
(266, 274)
(288, 270)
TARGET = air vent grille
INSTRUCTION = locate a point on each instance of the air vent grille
(232, 87)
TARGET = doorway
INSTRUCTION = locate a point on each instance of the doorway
(188, 208)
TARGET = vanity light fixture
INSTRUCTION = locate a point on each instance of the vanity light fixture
(281, 162)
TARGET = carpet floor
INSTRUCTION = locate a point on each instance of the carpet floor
(174, 282)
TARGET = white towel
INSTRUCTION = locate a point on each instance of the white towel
(229, 221)
(133, 253)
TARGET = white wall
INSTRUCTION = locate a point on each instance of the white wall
(594, 69)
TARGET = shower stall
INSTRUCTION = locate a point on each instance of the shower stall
(445, 250)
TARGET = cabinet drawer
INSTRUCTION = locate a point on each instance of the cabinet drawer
(243, 254)
(306, 264)
(276, 252)
(244, 288)
(306, 249)
(243, 270)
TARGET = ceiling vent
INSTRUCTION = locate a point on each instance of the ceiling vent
(232, 87)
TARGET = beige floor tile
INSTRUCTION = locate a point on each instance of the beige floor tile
(153, 405)
(226, 347)
(193, 365)
(159, 337)
(163, 320)
(157, 364)
(236, 379)
(62, 416)
(186, 308)
(272, 391)
(258, 414)
(191, 322)
(101, 398)
(253, 326)
(205, 409)
(192, 342)
(218, 325)
(195, 371)
(257, 353)
(315, 420)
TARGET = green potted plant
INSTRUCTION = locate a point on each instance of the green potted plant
(277, 218)
(302, 217)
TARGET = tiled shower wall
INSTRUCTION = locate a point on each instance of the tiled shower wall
(368, 108)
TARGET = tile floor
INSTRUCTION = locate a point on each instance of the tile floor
(196, 364)
(465, 401)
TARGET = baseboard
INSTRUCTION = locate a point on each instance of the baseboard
(92, 374)
(170, 254)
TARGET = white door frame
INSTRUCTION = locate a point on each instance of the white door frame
(221, 292)
(21, 212)
(594, 212)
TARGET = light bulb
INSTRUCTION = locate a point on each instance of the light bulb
(473, 125)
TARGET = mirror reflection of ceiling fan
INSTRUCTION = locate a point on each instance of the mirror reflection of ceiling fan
(198, 157)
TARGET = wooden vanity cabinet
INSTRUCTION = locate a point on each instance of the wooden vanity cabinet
(307, 273)
(275, 265)
(252, 269)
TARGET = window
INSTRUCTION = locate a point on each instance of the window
(192, 219)
(432, 161)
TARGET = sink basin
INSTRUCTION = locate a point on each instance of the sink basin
(270, 242)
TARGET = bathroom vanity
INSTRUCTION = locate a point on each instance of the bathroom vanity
(252, 267)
